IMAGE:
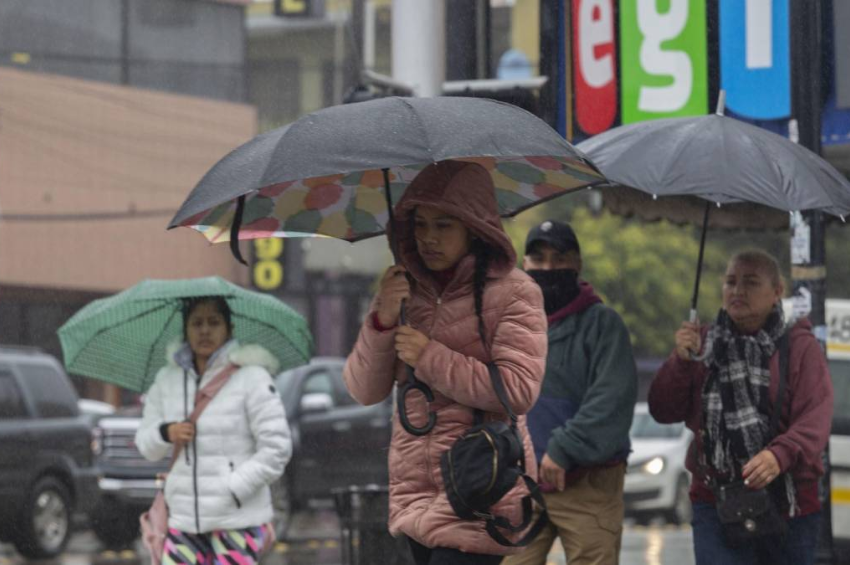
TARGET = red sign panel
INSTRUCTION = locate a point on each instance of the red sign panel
(594, 64)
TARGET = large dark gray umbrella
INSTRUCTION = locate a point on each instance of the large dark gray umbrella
(327, 173)
(336, 173)
(714, 169)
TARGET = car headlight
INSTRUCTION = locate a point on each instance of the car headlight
(97, 441)
(654, 466)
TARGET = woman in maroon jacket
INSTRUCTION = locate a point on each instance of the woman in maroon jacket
(727, 399)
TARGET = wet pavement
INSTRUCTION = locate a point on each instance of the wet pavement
(314, 540)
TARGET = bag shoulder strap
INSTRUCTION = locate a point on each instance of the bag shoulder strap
(784, 346)
(501, 394)
(203, 398)
(493, 523)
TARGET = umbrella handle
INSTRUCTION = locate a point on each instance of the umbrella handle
(696, 356)
(401, 399)
(412, 382)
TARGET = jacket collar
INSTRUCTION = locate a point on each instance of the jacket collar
(183, 357)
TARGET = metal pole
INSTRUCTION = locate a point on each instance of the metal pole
(808, 246)
(550, 41)
(125, 41)
(419, 45)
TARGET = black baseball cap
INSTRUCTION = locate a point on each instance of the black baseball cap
(557, 234)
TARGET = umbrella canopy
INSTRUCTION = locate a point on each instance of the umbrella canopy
(721, 160)
(742, 174)
(324, 174)
(122, 339)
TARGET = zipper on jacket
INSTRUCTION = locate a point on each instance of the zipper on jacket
(428, 466)
(195, 483)
(195, 464)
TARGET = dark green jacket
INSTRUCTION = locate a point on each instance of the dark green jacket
(585, 409)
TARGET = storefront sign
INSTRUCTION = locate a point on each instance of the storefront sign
(594, 61)
(663, 57)
(755, 68)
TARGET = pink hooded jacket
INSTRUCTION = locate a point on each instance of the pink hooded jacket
(453, 363)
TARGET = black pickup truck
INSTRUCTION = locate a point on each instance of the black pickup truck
(336, 443)
(46, 459)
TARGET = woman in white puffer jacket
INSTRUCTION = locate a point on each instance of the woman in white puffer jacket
(217, 493)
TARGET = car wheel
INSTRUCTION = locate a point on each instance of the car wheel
(681, 512)
(283, 507)
(45, 521)
(114, 525)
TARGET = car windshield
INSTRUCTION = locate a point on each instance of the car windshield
(645, 427)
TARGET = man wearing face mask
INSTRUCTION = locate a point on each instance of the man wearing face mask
(580, 424)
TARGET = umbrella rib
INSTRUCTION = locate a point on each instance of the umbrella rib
(156, 341)
(274, 329)
(106, 329)
(421, 126)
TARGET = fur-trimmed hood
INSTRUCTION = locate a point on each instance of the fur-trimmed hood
(250, 354)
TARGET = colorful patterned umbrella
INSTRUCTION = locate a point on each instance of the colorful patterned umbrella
(325, 173)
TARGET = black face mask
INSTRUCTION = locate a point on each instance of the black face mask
(559, 286)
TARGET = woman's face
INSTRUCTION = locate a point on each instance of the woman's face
(441, 240)
(749, 295)
(206, 329)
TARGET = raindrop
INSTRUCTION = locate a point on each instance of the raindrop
(843, 221)
(718, 204)
(655, 197)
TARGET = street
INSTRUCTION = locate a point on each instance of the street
(314, 540)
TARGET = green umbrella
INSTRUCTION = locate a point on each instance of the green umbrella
(123, 339)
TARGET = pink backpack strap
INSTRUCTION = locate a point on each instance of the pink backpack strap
(202, 399)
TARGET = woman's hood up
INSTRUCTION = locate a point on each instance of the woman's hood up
(463, 190)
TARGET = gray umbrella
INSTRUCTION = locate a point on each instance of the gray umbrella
(723, 171)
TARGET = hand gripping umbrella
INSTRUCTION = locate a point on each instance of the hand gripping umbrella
(682, 168)
(337, 172)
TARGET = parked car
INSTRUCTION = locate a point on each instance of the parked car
(47, 470)
(336, 443)
(656, 480)
(94, 410)
(127, 481)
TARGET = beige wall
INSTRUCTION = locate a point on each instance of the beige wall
(69, 146)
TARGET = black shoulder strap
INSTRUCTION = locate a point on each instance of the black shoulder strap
(784, 346)
(501, 394)
(496, 522)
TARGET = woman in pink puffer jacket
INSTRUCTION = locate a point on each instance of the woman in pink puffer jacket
(460, 261)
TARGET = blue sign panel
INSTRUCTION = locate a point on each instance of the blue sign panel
(755, 68)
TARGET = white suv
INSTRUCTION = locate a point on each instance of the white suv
(657, 481)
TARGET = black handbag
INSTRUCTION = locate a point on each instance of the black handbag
(483, 465)
(744, 513)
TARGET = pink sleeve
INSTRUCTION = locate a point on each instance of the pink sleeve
(519, 347)
(370, 368)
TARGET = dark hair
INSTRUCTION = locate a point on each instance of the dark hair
(220, 303)
(483, 253)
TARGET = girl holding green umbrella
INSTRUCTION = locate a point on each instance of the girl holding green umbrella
(217, 492)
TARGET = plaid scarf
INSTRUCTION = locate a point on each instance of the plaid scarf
(736, 403)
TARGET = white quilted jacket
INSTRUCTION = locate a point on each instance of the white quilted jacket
(242, 444)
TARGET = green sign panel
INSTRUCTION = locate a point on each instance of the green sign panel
(663, 59)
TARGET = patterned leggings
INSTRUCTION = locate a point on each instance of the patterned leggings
(219, 547)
